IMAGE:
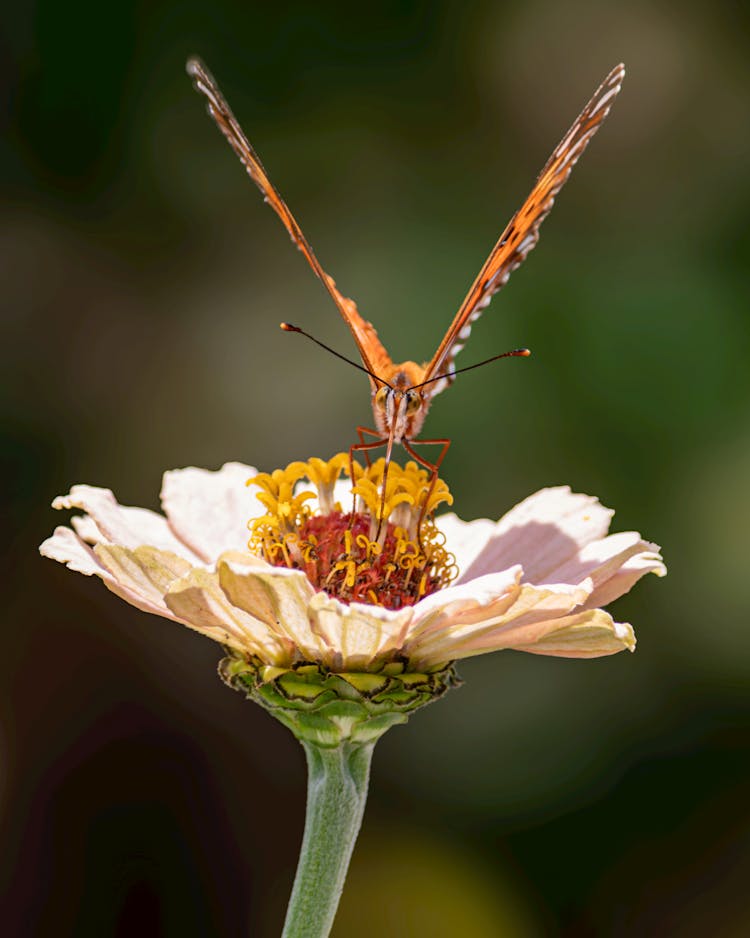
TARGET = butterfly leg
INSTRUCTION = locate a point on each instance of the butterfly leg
(434, 468)
(361, 434)
(364, 448)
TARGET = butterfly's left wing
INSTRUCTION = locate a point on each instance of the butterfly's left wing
(374, 356)
(522, 232)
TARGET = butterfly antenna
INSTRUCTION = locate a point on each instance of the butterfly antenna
(288, 327)
(516, 353)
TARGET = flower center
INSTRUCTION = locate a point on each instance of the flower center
(384, 550)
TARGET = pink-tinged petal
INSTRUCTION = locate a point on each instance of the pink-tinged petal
(599, 560)
(358, 636)
(200, 603)
(647, 560)
(277, 596)
(120, 524)
(465, 539)
(541, 533)
(85, 527)
(527, 613)
(144, 573)
(588, 634)
(66, 547)
(208, 510)
(479, 600)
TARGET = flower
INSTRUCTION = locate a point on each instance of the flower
(387, 588)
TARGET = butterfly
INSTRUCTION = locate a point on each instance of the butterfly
(402, 393)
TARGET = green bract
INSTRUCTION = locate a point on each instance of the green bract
(327, 708)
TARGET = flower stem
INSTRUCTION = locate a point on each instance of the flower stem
(336, 797)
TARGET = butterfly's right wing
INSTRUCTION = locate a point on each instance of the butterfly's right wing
(374, 356)
(522, 232)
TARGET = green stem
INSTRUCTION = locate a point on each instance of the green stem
(336, 797)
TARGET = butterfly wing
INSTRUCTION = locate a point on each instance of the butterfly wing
(522, 232)
(374, 356)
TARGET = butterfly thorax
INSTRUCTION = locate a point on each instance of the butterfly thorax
(400, 410)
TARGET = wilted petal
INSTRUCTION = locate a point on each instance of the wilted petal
(120, 524)
(541, 533)
(200, 602)
(277, 596)
(208, 510)
(145, 573)
(66, 547)
(86, 529)
(357, 636)
(588, 634)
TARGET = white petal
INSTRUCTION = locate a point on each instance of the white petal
(144, 573)
(541, 533)
(202, 604)
(209, 511)
(526, 614)
(465, 539)
(85, 527)
(646, 560)
(119, 524)
(277, 596)
(599, 560)
(357, 636)
(588, 634)
(476, 601)
(66, 547)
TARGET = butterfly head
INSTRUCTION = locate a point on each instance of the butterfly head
(398, 407)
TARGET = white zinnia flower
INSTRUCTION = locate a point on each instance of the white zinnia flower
(536, 580)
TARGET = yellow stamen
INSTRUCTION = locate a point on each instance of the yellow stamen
(392, 560)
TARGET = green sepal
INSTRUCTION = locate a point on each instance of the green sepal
(327, 707)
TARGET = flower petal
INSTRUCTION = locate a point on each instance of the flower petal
(647, 559)
(465, 539)
(588, 634)
(120, 524)
(600, 559)
(524, 615)
(199, 601)
(66, 547)
(277, 596)
(209, 510)
(357, 636)
(469, 602)
(85, 527)
(541, 533)
(144, 573)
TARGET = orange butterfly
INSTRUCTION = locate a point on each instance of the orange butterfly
(402, 393)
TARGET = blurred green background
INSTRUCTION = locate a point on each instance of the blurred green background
(143, 285)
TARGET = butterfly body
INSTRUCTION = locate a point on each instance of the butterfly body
(402, 393)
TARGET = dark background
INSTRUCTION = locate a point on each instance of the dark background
(143, 281)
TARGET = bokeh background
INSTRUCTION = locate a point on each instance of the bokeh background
(143, 281)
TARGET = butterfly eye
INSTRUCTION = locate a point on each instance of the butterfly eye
(381, 397)
(413, 403)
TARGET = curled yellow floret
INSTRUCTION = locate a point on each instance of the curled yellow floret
(374, 541)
